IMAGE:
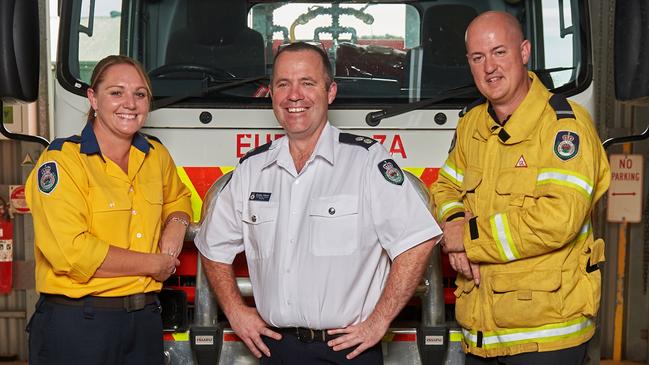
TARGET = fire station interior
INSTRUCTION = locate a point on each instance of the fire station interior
(623, 321)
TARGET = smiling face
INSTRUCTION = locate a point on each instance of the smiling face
(121, 101)
(299, 92)
(498, 57)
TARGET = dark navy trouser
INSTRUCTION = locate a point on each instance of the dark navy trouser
(61, 334)
(570, 356)
(291, 351)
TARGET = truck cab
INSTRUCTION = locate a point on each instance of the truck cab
(402, 79)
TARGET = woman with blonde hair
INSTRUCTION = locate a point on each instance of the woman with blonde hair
(110, 214)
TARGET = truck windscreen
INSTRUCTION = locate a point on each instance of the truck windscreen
(380, 52)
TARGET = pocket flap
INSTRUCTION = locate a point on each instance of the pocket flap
(334, 206)
(463, 286)
(597, 252)
(517, 181)
(258, 213)
(152, 195)
(106, 200)
(537, 280)
(472, 179)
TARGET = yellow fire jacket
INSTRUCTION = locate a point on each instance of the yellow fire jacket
(82, 203)
(531, 185)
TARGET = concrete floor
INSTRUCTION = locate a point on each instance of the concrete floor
(603, 362)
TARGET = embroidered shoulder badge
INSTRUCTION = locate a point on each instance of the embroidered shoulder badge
(391, 171)
(566, 145)
(48, 177)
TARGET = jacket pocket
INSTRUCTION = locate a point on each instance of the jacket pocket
(334, 225)
(593, 255)
(526, 299)
(517, 185)
(465, 302)
(260, 225)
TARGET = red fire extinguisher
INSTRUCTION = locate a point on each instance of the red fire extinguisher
(6, 248)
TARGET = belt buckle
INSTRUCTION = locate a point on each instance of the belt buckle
(305, 335)
(134, 302)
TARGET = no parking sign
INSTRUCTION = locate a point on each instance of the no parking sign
(625, 192)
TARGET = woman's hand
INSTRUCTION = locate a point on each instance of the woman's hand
(173, 234)
(163, 266)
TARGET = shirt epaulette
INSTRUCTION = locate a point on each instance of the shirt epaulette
(261, 149)
(472, 105)
(561, 107)
(151, 137)
(348, 138)
(57, 144)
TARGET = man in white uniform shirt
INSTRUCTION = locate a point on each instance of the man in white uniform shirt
(335, 235)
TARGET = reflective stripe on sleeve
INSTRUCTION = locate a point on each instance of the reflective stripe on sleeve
(583, 232)
(566, 178)
(548, 333)
(452, 173)
(502, 235)
(444, 208)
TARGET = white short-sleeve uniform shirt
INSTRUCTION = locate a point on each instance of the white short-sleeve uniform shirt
(318, 243)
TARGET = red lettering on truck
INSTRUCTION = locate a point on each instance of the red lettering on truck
(248, 141)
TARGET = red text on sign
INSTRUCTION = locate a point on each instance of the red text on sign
(248, 141)
(626, 176)
(625, 164)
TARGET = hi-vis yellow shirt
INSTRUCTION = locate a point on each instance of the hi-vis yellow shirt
(532, 185)
(82, 202)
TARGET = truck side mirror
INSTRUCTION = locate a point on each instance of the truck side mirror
(631, 54)
(19, 61)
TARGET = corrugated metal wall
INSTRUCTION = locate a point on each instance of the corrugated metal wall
(16, 307)
(12, 326)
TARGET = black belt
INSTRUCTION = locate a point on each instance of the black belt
(128, 303)
(306, 335)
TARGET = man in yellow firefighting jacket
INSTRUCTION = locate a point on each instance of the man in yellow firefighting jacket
(516, 195)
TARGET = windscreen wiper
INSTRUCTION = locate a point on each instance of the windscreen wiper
(164, 102)
(551, 70)
(374, 118)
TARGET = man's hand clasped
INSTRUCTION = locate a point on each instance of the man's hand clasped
(453, 245)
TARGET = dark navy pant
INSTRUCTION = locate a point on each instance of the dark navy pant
(291, 351)
(64, 334)
(571, 356)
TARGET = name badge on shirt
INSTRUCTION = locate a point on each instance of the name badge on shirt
(259, 197)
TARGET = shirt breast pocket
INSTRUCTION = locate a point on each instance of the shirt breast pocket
(152, 194)
(260, 223)
(334, 225)
(110, 209)
(105, 200)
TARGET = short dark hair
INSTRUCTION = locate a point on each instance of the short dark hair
(304, 46)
